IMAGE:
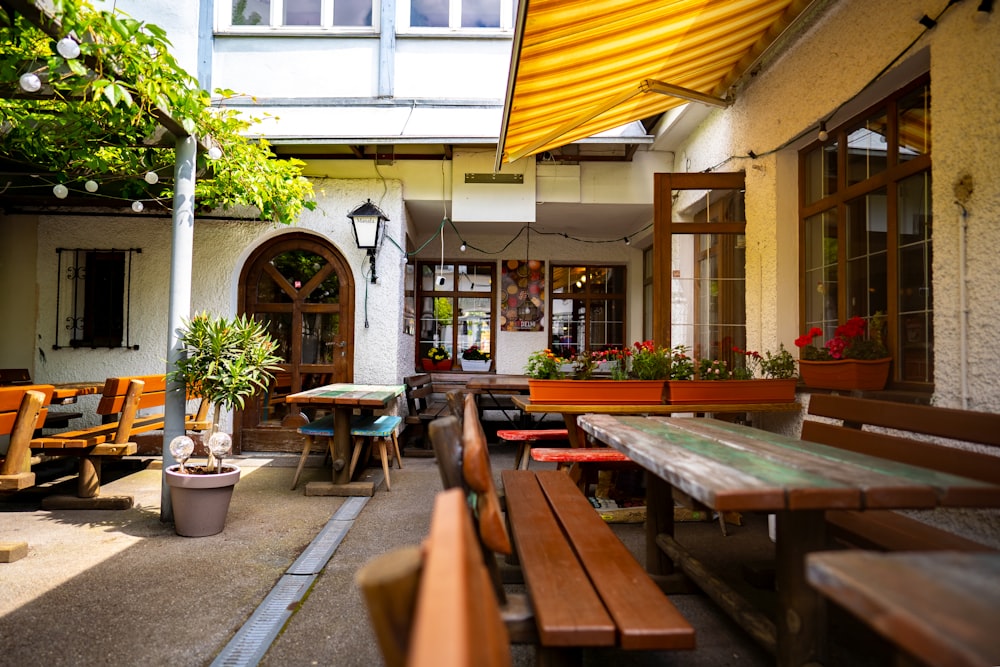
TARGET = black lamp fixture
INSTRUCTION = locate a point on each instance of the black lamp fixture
(367, 220)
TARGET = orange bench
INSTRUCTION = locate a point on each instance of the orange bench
(22, 408)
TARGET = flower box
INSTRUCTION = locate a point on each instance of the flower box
(431, 365)
(691, 392)
(845, 374)
(478, 365)
(597, 392)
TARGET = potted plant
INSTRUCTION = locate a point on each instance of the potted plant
(226, 361)
(638, 376)
(475, 359)
(854, 358)
(437, 359)
(763, 378)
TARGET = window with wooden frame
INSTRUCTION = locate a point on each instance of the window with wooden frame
(865, 216)
(93, 295)
(588, 306)
(455, 308)
(699, 293)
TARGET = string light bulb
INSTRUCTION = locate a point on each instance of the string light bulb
(60, 190)
(30, 83)
(151, 177)
(463, 247)
(137, 206)
(68, 48)
(823, 134)
(90, 186)
(628, 241)
(214, 153)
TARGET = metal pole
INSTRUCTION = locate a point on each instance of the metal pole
(179, 308)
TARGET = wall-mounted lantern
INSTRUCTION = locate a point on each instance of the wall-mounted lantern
(367, 220)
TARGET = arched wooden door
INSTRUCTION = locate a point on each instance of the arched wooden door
(302, 288)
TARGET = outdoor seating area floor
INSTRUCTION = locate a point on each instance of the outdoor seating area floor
(119, 587)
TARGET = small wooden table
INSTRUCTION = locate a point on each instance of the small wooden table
(498, 384)
(941, 607)
(344, 398)
(570, 411)
(67, 392)
(730, 467)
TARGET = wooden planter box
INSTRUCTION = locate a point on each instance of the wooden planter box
(689, 392)
(845, 374)
(430, 365)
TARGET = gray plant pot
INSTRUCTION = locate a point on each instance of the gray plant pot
(201, 502)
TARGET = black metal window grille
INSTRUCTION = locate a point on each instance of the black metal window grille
(93, 297)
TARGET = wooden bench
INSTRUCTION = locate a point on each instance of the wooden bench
(20, 377)
(435, 605)
(585, 587)
(22, 408)
(913, 426)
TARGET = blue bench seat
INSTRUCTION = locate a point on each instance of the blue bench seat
(381, 428)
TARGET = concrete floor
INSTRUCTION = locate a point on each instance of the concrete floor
(121, 588)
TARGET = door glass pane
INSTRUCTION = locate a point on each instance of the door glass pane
(821, 272)
(327, 291)
(915, 346)
(476, 278)
(251, 12)
(821, 172)
(437, 278)
(914, 119)
(319, 337)
(867, 149)
(607, 325)
(279, 326)
(721, 205)
(474, 323)
(480, 13)
(353, 13)
(302, 12)
(867, 282)
(268, 291)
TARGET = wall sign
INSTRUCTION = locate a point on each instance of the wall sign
(522, 295)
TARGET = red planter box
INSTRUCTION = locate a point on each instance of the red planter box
(846, 374)
(690, 392)
(436, 366)
(597, 392)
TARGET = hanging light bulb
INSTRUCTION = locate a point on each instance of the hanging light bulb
(214, 153)
(823, 134)
(151, 177)
(30, 83)
(68, 48)
(90, 186)
(463, 246)
(628, 241)
(60, 191)
(137, 206)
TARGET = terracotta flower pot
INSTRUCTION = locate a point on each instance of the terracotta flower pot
(690, 392)
(431, 365)
(845, 374)
(201, 502)
(597, 392)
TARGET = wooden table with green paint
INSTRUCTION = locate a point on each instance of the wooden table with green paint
(344, 398)
(731, 467)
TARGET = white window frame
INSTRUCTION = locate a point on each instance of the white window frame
(403, 26)
(224, 21)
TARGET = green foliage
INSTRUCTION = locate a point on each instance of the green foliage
(545, 365)
(104, 107)
(227, 360)
(443, 311)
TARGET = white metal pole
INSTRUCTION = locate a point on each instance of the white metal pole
(179, 308)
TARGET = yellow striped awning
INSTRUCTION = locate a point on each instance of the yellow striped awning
(580, 67)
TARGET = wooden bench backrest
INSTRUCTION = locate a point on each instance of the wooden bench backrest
(922, 420)
(22, 427)
(154, 393)
(458, 620)
(389, 584)
(418, 392)
(478, 474)
(14, 376)
(446, 438)
(10, 403)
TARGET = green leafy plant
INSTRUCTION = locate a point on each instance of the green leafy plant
(777, 366)
(714, 369)
(96, 117)
(854, 339)
(545, 365)
(225, 360)
(681, 365)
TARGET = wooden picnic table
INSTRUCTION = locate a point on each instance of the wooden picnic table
(940, 607)
(570, 411)
(67, 392)
(731, 467)
(505, 385)
(344, 398)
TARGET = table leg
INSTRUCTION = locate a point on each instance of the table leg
(341, 484)
(577, 437)
(801, 609)
(659, 519)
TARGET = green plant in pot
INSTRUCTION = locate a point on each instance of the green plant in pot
(226, 361)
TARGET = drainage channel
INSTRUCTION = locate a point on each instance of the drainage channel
(249, 644)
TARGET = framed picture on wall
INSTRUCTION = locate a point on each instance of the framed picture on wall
(522, 295)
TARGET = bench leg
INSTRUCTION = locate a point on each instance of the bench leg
(356, 454)
(395, 447)
(302, 461)
(383, 453)
(89, 482)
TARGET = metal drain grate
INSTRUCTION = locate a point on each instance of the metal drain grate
(251, 642)
(248, 646)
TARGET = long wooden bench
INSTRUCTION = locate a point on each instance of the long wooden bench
(22, 408)
(585, 587)
(435, 606)
(911, 440)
